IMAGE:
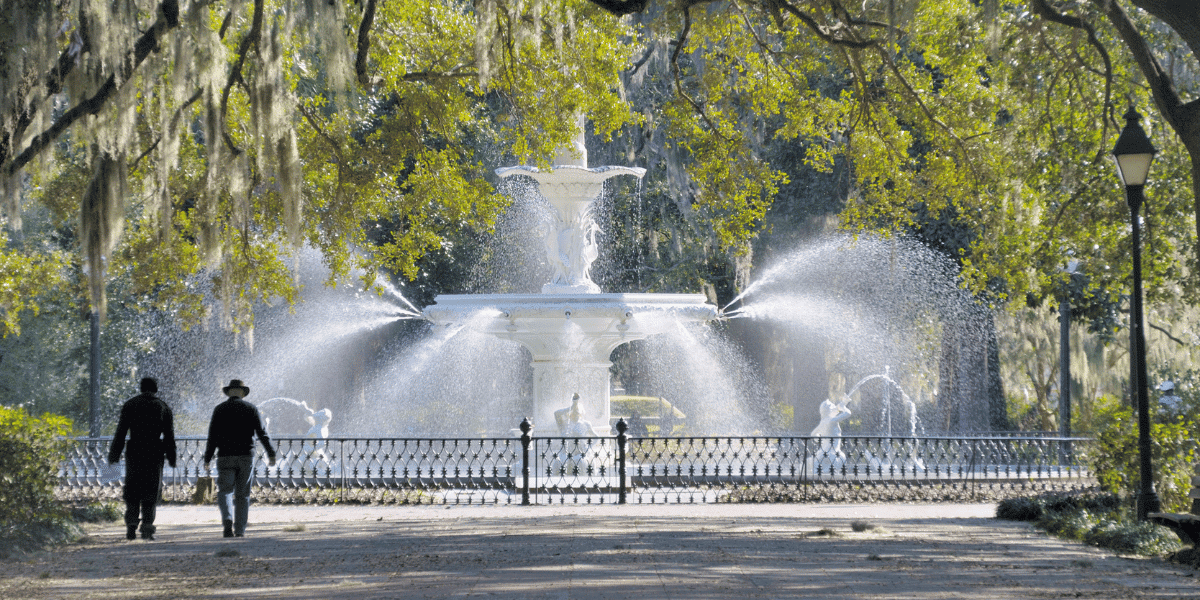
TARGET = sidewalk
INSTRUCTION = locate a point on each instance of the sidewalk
(589, 552)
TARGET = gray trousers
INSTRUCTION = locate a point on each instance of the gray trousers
(233, 489)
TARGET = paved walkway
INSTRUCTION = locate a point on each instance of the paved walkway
(591, 552)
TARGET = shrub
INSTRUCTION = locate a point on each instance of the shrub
(1073, 525)
(1143, 537)
(1099, 519)
(1055, 505)
(1019, 509)
(1115, 460)
(31, 451)
(98, 512)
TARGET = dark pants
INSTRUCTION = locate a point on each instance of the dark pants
(143, 485)
(233, 488)
(147, 508)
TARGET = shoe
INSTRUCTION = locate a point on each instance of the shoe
(239, 535)
(131, 532)
(149, 537)
(228, 528)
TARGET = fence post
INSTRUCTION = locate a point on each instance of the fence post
(971, 466)
(622, 427)
(526, 427)
(805, 475)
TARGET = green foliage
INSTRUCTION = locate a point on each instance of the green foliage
(98, 512)
(1115, 461)
(24, 276)
(1019, 509)
(1097, 519)
(1142, 538)
(31, 450)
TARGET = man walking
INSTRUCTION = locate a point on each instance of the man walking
(151, 428)
(231, 433)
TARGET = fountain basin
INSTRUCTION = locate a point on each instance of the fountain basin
(570, 338)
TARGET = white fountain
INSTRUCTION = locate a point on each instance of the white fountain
(571, 328)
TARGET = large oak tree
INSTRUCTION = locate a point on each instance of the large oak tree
(217, 134)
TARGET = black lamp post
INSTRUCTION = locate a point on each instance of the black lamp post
(1134, 152)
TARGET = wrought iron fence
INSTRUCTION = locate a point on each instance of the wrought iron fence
(618, 469)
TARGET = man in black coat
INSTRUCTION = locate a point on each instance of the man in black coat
(151, 428)
(231, 433)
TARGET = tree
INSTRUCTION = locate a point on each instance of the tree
(225, 133)
(190, 121)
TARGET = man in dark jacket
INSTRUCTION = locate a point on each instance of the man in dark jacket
(231, 433)
(151, 428)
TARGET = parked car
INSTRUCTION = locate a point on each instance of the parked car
(661, 418)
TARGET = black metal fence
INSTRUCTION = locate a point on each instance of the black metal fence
(619, 469)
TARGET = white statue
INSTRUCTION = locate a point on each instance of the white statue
(320, 424)
(570, 421)
(830, 430)
(576, 455)
(287, 417)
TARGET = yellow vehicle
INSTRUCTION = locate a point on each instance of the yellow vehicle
(660, 417)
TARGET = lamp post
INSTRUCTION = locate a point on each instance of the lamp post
(94, 375)
(1134, 152)
(1064, 352)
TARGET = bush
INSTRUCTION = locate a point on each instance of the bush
(1115, 461)
(1073, 524)
(1019, 509)
(1049, 505)
(1097, 519)
(98, 512)
(31, 452)
(1143, 538)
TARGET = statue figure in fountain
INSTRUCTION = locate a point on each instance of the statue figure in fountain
(570, 420)
(588, 252)
(559, 261)
(830, 449)
(576, 456)
(320, 424)
(287, 417)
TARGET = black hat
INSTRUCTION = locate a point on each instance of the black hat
(149, 385)
(236, 384)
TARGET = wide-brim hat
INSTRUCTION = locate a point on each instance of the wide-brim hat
(235, 384)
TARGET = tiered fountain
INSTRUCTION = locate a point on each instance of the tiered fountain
(571, 328)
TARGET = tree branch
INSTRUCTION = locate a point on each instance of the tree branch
(679, 44)
(1043, 9)
(1184, 118)
(168, 19)
(312, 121)
(621, 8)
(838, 35)
(1167, 333)
(174, 120)
(364, 45)
(251, 40)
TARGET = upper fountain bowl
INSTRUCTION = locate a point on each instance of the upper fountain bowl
(565, 183)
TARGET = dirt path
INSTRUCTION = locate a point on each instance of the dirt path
(685, 552)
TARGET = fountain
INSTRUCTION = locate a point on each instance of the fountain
(851, 303)
(571, 327)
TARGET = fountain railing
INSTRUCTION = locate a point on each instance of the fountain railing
(618, 469)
